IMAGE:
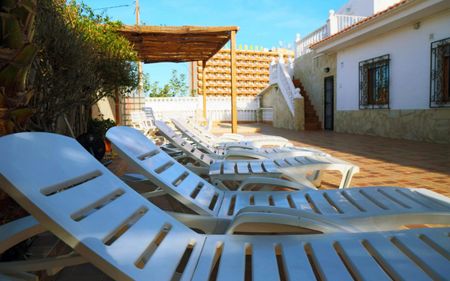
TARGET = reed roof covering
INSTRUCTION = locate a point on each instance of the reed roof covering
(177, 43)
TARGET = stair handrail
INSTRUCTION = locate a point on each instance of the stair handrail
(280, 75)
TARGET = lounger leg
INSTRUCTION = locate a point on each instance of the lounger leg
(346, 178)
(316, 178)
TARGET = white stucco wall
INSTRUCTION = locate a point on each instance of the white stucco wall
(365, 7)
(380, 5)
(357, 8)
(409, 51)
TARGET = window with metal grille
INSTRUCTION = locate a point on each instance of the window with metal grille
(440, 73)
(374, 83)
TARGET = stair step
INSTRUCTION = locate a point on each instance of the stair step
(312, 122)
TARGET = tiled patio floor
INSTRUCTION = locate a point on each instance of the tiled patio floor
(383, 161)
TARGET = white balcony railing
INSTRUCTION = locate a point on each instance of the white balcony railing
(335, 24)
(344, 21)
(302, 45)
(281, 74)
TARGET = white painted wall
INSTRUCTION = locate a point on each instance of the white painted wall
(365, 7)
(409, 51)
(357, 8)
(380, 5)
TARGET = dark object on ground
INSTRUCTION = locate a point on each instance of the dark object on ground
(94, 144)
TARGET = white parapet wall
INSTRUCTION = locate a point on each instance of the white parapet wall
(218, 108)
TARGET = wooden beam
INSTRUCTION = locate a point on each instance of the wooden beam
(178, 29)
(204, 88)
(233, 82)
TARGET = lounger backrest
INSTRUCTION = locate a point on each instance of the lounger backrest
(58, 182)
(198, 139)
(183, 144)
(140, 120)
(184, 185)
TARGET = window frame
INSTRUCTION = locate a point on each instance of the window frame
(433, 57)
(383, 61)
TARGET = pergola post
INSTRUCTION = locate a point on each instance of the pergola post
(233, 82)
(204, 89)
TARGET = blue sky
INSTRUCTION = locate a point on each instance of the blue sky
(262, 22)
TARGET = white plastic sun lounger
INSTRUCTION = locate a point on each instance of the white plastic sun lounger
(230, 137)
(129, 238)
(210, 142)
(242, 148)
(238, 153)
(387, 207)
(293, 168)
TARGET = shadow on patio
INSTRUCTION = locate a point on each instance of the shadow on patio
(383, 161)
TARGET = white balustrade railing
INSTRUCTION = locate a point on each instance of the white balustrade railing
(335, 23)
(344, 21)
(281, 74)
(302, 45)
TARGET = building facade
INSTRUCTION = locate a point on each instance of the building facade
(391, 73)
(252, 72)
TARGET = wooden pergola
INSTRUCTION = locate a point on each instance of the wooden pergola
(186, 44)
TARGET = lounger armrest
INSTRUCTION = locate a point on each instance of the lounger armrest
(17, 231)
(242, 154)
(290, 217)
(201, 171)
(276, 182)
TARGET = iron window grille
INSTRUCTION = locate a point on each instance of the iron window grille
(374, 83)
(440, 73)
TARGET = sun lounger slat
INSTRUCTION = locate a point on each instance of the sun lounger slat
(228, 167)
(206, 197)
(270, 166)
(109, 218)
(256, 167)
(175, 243)
(363, 202)
(320, 203)
(397, 263)
(435, 264)
(341, 203)
(155, 161)
(215, 168)
(261, 198)
(360, 262)
(280, 200)
(296, 261)
(82, 195)
(381, 200)
(138, 246)
(264, 262)
(291, 161)
(439, 241)
(172, 173)
(281, 163)
(187, 186)
(242, 167)
(300, 202)
(327, 261)
(242, 200)
(232, 262)
(425, 198)
(406, 198)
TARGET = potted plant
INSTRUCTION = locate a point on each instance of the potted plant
(99, 127)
